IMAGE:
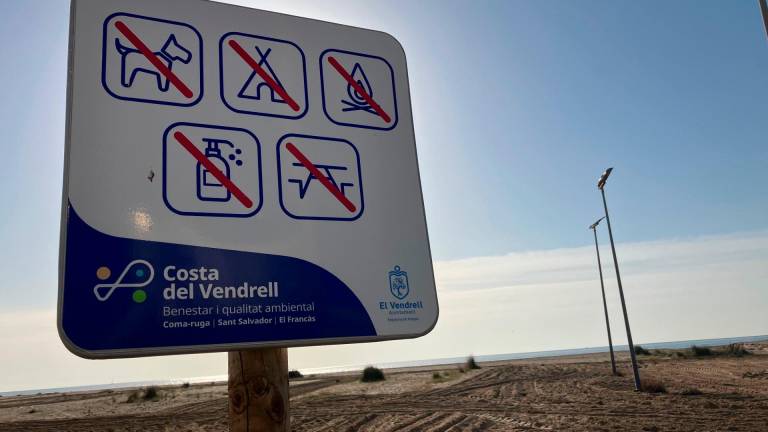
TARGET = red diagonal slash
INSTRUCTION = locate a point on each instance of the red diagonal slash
(161, 67)
(359, 89)
(323, 179)
(213, 169)
(265, 76)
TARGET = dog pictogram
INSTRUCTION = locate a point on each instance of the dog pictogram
(134, 62)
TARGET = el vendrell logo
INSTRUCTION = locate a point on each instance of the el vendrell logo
(139, 272)
(398, 283)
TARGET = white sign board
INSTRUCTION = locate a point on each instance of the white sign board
(237, 178)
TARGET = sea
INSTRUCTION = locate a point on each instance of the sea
(402, 364)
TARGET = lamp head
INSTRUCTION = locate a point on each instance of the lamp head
(603, 178)
(597, 222)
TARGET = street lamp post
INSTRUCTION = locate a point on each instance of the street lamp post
(764, 13)
(635, 371)
(593, 227)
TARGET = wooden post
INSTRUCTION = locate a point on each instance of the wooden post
(258, 390)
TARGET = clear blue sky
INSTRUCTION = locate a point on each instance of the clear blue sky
(519, 106)
(539, 97)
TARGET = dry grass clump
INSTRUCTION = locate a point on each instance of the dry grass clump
(734, 349)
(148, 394)
(372, 374)
(471, 364)
(737, 349)
(652, 385)
(699, 351)
(639, 350)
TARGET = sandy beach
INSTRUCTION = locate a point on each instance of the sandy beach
(720, 392)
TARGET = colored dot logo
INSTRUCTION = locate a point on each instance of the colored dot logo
(103, 273)
(137, 275)
(139, 296)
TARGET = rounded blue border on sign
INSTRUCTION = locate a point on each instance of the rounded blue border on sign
(221, 77)
(394, 92)
(185, 213)
(104, 61)
(280, 179)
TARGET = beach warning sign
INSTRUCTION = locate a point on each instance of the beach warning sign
(236, 178)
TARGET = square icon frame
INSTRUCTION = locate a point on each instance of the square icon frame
(193, 213)
(360, 211)
(260, 113)
(146, 100)
(396, 115)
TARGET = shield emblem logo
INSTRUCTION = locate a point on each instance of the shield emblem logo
(398, 283)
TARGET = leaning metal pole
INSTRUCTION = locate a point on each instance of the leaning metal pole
(632, 355)
(764, 12)
(605, 305)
